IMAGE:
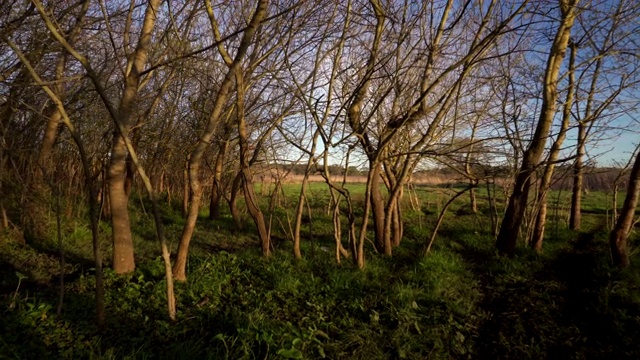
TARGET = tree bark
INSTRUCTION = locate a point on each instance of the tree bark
(123, 259)
(578, 175)
(622, 228)
(359, 247)
(233, 201)
(186, 189)
(128, 178)
(378, 210)
(397, 226)
(49, 139)
(391, 224)
(217, 189)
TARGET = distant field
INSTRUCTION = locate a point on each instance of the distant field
(354, 179)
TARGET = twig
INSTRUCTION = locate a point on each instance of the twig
(441, 217)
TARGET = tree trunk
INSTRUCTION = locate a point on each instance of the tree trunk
(389, 231)
(554, 153)
(378, 209)
(298, 220)
(393, 220)
(247, 178)
(4, 221)
(233, 202)
(541, 219)
(397, 227)
(302, 200)
(337, 192)
(256, 213)
(337, 227)
(359, 247)
(179, 267)
(185, 189)
(493, 207)
(578, 172)
(123, 260)
(48, 139)
(473, 202)
(620, 233)
(128, 180)
(55, 118)
(104, 189)
(216, 188)
(514, 215)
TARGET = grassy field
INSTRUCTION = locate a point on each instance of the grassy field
(461, 301)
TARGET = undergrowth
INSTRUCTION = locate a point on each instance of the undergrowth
(461, 301)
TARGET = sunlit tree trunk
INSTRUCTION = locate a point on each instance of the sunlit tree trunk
(575, 216)
(302, 198)
(473, 202)
(53, 122)
(554, 153)
(359, 247)
(622, 229)
(514, 215)
(393, 228)
(373, 197)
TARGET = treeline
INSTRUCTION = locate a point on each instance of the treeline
(604, 179)
(301, 169)
(595, 179)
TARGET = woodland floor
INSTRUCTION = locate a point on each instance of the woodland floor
(461, 301)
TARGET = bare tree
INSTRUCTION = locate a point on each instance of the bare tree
(552, 158)
(605, 75)
(515, 211)
(123, 260)
(222, 95)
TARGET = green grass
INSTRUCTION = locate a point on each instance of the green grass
(461, 301)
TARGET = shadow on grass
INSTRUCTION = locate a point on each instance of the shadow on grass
(558, 305)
